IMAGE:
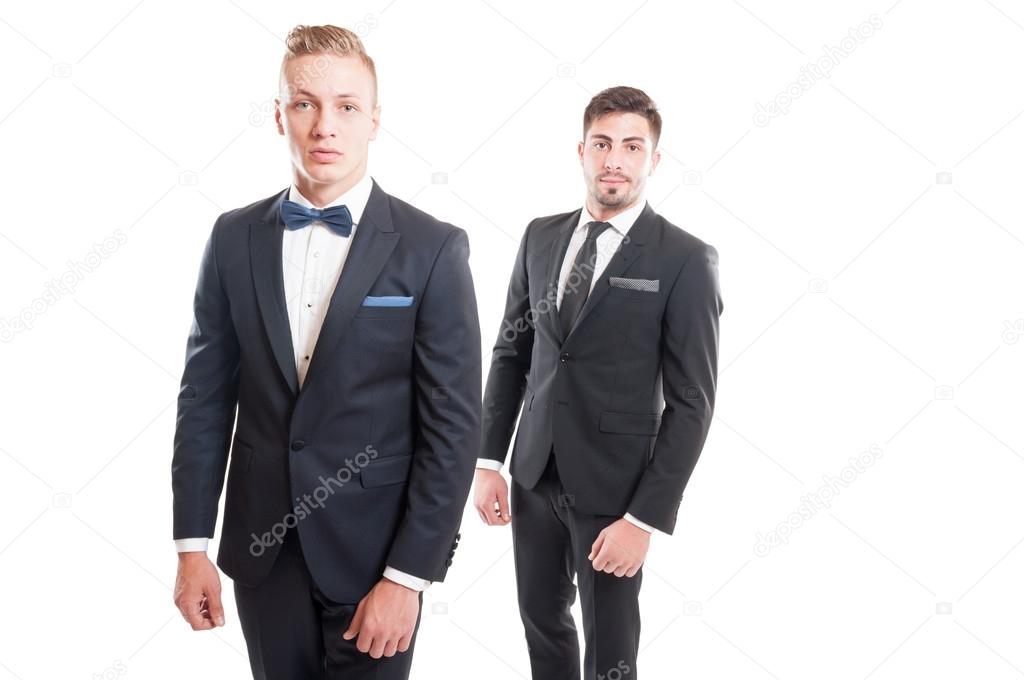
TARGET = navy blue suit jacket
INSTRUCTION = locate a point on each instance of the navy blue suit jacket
(372, 460)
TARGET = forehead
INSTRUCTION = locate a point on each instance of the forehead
(327, 75)
(618, 126)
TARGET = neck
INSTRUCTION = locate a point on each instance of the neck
(321, 194)
(605, 213)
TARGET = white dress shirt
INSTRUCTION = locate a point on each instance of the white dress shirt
(312, 260)
(607, 245)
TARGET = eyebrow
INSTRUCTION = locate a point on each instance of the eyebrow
(624, 139)
(342, 95)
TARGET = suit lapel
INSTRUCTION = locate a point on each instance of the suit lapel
(619, 263)
(374, 240)
(561, 245)
(265, 239)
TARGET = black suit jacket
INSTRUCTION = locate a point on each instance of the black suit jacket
(626, 398)
(372, 460)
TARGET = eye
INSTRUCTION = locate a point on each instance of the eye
(348, 108)
(599, 145)
(300, 105)
(634, 147)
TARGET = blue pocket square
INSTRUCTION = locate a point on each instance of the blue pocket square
(387, 301)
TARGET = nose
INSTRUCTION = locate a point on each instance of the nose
(613, 161)
(324, 126)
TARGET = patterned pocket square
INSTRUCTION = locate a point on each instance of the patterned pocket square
(644, 285)
(387, 301)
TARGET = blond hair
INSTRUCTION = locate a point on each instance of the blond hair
(327, 39)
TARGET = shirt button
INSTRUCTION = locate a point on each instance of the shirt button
(298, 444)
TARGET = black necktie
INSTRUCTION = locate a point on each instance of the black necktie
(577, 284)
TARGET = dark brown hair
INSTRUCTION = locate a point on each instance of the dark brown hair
(623, 99)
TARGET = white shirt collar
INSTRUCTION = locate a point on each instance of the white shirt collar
(355, 198)
(621, 222)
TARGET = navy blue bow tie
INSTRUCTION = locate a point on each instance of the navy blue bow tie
(337, 218)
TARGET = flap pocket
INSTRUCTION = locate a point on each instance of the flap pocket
(630, 423)
(388, 470)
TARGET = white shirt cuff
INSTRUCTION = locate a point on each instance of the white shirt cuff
(633, 520)
(488, 463)
(407, 580)
(191, 544)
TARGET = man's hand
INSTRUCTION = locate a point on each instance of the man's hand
(385, 619)
(197, 591)
(620, 549)
(491, 497)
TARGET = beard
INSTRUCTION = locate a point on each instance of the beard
(613, 197)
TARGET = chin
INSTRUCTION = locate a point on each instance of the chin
(327, 174)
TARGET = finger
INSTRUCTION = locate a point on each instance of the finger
(596, 548)
(620, 572)
(404, 642)
(356, 625)
(633, 570)
(391, 647)
(377, 648)
(215, 607)
(191, 611)
(483, 517)
(364, 642)
(503, 508)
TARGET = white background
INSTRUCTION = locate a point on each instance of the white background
(872, 306)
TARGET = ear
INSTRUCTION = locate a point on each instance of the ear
(375, 117)
(655, 159)
(278, 116)
(579, 150)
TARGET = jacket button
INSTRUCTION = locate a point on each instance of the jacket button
(189, 392)
(564, 357)
(448, 563)
(298, 444)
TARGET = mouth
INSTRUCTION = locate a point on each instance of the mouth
(612, 181)
(324, 155)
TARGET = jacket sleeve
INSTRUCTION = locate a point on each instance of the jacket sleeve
(689, 374)
(447, 376)
(510, 362)
(207, 399)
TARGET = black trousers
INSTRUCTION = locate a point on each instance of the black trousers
(551, 542)
(293, 632)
